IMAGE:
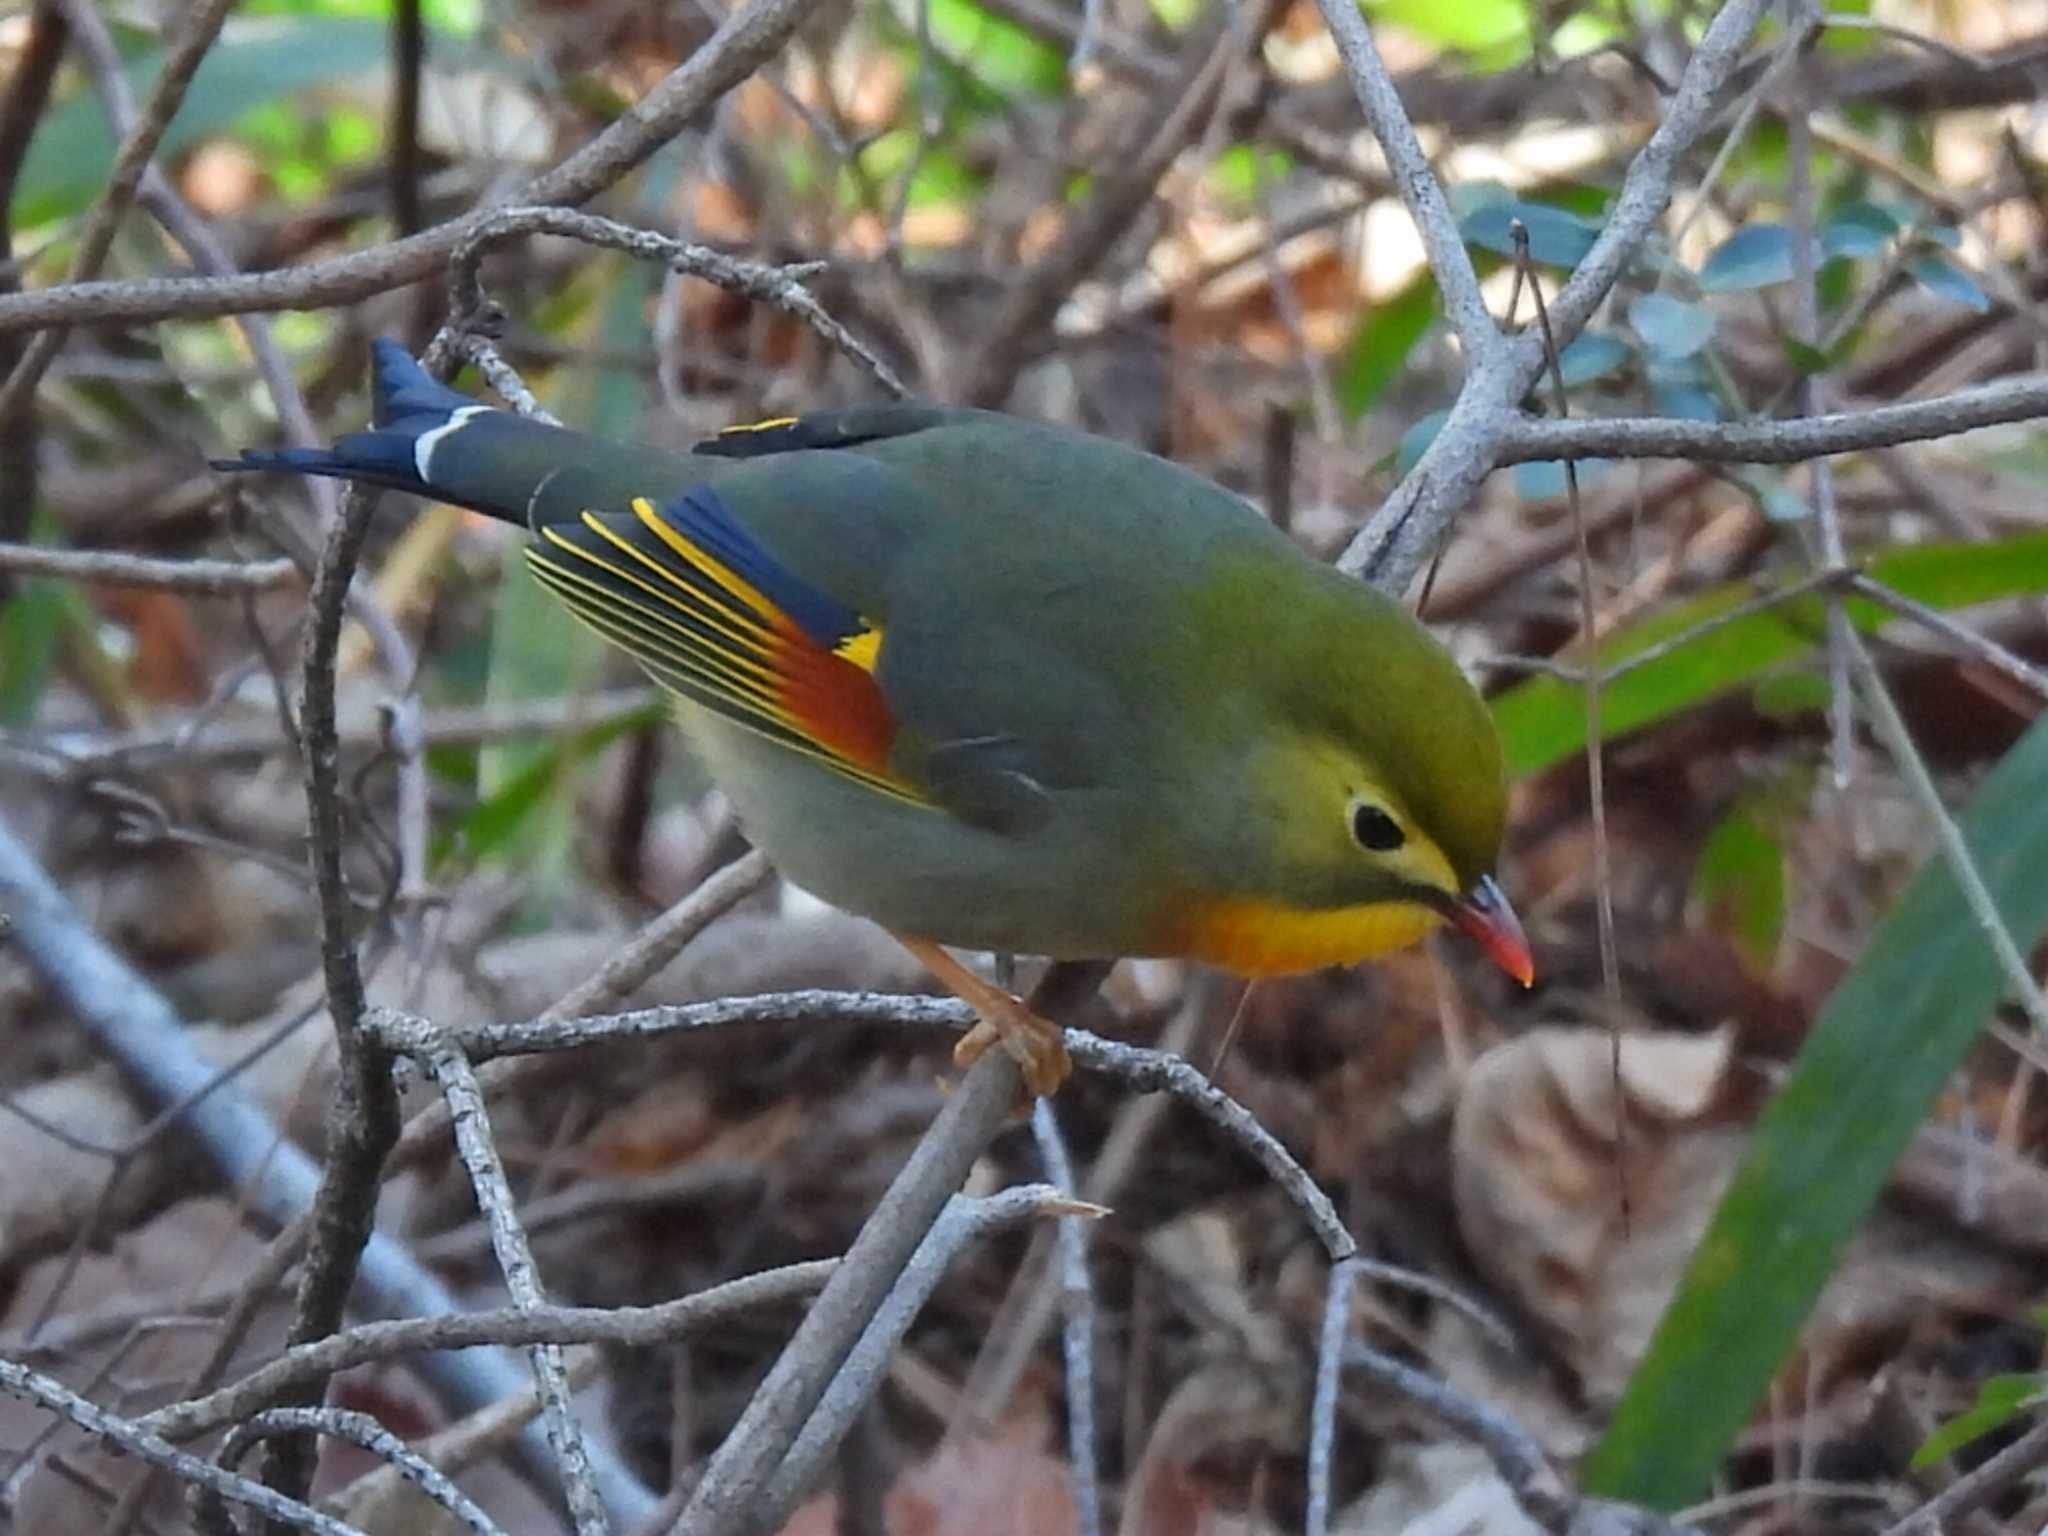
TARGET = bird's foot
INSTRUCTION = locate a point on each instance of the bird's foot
(1036, 1044)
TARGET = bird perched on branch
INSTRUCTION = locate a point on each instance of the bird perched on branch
(1004, 686)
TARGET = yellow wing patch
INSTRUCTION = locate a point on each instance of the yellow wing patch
(711, 615)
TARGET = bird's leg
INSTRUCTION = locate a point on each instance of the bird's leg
(1033, 1042)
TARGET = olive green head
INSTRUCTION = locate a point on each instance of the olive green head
(1373, 779)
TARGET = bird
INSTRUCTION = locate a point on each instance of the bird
(1003, 686)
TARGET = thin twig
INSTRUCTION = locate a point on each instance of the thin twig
(1413, 179)
(479, 1153)
(1077, 1307)
(511, 1327)
(140, 1032)
(732, 54)
(962, 1221)
(195, 1470)
(728, 1497)
(84, 757)
(779, 287)
(1541, 1493)
(1322, 1411)
(1397, 540)
(1977, 1487)
(199, 25)
(362, 1429)
(2024, 397)
(362, 1119)
(1890, 726)
(197, 578)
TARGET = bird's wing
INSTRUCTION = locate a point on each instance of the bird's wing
(714, 616)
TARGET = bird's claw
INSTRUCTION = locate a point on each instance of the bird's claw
(1035, 1044)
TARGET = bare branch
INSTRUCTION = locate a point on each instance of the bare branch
(199, 578)
(199, 25)
(363, 1430)
(734, 52)
(728, 1500)
(362, 1120)
(515, 1262)
(1322, 1411)
(778, 287)
(123, 1434)
(1977, 1487)
(1077, 1305)
(961, 1222)
(2020, 398)
(144, 1037)
(1414, 179)
(1396, 541)
(366, 1343)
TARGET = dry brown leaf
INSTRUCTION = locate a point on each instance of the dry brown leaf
(1537, 1178)
(1007, 1485)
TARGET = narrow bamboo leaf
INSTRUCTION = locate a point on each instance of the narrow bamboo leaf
(2000, 1400)
(1542, 720)
(32, 623)
(1880, 1054)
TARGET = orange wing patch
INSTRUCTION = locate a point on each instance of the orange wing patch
(711, 615)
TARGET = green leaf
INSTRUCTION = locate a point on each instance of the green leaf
(997, 52)
(537, 649)
(1884, 1047)
(2000, 1400)
(1671, 327)
(1416, 440)
(1858, 229)
(1740, 880)
(1556, 238)
(255, 62)
(1803, 355)
(1476, 26)
(500, 820)
(1945, 280)
(1755, 256)
(1542, 720)
(1687, 402)
(1592, 355)
(1546, 479)
(1379, 348)
(32, 624)
(1781, 503)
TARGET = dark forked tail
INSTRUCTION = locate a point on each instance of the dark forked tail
(432, 441)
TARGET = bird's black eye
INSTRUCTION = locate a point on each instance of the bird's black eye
(1375, 829)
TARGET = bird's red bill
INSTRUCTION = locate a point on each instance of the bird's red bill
(1487, 917)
